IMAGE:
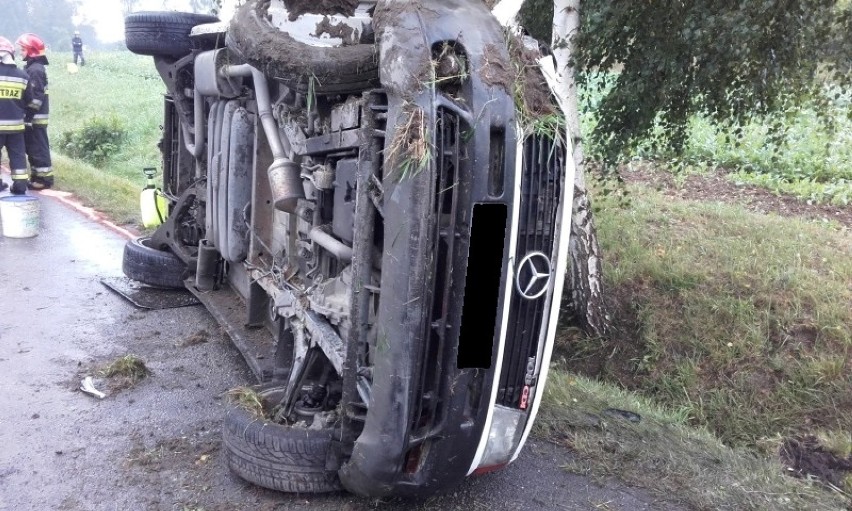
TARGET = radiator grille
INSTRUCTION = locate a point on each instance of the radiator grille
(447, 240)
(541, 188)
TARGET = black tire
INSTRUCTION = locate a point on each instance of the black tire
(151, 266)
(275, 456)
(162, 33)
(333, 70)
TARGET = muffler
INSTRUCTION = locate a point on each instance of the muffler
(286, 184)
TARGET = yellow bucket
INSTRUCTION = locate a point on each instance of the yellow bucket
(19, 216)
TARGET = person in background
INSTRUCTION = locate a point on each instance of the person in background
(14, 93)
(35, 135)
(77, 45)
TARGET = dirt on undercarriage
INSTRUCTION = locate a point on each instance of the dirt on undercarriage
(299, 7)
(340, 31)
(306, 68)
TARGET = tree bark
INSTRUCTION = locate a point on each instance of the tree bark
(586, 273)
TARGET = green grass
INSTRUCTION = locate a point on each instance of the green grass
(116, 196)
(740, 320)
(130, 368)
(812, 162)
(118, 84)
(249, 399)
(664, 454)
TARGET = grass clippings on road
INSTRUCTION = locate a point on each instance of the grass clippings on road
(125, 371)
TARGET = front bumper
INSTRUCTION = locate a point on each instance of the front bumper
(459, 349)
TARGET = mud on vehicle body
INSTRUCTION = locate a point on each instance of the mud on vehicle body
(375, 228)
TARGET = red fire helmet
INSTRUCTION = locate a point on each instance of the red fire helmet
(6, 45)
(31, 45)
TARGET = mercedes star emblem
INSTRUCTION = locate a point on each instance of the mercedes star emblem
(533, 275)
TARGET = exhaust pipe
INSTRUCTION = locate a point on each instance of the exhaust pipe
(284, 174)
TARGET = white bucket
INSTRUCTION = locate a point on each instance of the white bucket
(19, 216)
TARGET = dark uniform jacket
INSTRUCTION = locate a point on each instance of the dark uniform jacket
(14, 96)
(77, 44)
(38, 106)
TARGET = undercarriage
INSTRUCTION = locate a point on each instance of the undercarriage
(358, 199)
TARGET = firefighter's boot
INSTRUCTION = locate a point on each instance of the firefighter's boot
(41, 180)
(19, 186)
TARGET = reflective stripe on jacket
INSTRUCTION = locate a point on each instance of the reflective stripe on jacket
(14, 95)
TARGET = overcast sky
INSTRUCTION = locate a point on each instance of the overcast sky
(108, 20)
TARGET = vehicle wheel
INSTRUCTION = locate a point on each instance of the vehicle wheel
(276, 456)
(162, 33)
(151, 266)
(333, 70)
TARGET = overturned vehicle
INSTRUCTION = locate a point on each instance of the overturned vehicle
(358, 195)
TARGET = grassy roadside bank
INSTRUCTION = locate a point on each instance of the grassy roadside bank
(125, 92)
(741, 320)
(654, 447)
(733, 326)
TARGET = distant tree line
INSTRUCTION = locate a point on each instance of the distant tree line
(53, 21)
(50, 19)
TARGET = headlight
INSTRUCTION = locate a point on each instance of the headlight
(503, 437)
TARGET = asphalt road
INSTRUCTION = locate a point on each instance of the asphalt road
(156, 446)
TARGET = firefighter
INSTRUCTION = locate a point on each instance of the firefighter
(14, 95)
(77, 45)
(35, 135)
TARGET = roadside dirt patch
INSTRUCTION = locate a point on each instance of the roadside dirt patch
(614, 358)
(804, 457)
(716, 187)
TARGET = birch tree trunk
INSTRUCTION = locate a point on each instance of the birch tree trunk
(586, 285)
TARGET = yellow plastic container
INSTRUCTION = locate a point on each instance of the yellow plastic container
(154, 206)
